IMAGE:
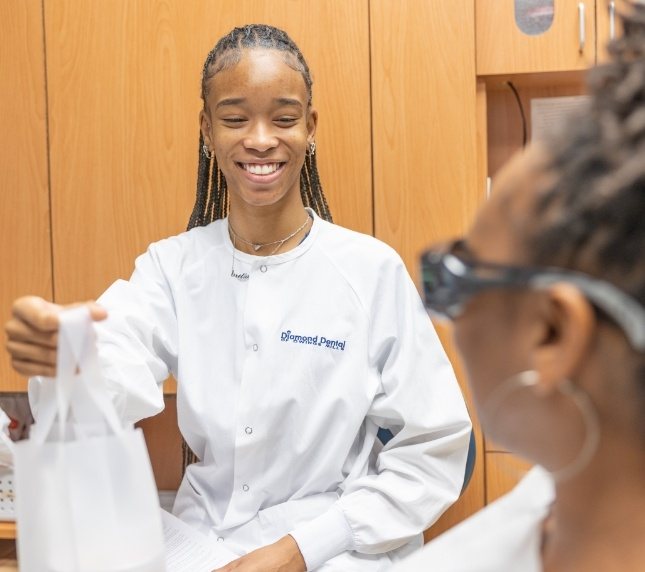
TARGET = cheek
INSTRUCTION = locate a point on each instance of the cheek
(490, 349)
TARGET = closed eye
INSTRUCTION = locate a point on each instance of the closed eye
(286, 121)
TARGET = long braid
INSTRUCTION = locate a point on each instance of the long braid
(196, 217)
(592, 216)
(211, 200)
(315, 188)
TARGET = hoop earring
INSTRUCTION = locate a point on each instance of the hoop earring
(312, 149)
(207, 152)
(582, 401)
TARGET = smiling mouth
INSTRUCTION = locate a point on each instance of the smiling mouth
(261, 168)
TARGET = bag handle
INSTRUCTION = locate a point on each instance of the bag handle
(79, 384)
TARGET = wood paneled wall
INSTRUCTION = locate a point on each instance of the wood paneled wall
(394, 84)
(424, 119)
(123, 81)
(25, 241)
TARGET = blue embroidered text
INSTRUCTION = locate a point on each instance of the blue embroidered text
(313, 340)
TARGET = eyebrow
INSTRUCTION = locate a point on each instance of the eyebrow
(239, 100)
(230, 101)
(288, 101)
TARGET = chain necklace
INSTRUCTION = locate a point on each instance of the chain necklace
(257, 245)
(243, 276)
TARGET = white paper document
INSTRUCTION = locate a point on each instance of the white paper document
(190, 551)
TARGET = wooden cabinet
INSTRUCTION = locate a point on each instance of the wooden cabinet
(403, 142)
(25, 248)
(123, 81)
(424, 141)
(568, 43)
(503, 472)
(514, 68)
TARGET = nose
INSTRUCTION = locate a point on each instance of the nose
(260, 137)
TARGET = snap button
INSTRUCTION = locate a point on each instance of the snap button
(255, 347)
(220, 539)
(263, 268)
(245, 488)
(248, 430)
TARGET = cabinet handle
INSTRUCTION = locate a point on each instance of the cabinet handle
(612, 20)
(581, 26)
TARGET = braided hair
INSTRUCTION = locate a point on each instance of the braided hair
(211, 201)
(591, 217)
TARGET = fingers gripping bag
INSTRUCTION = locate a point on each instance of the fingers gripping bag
(85, 493)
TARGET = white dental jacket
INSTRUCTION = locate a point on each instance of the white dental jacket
(283, 382)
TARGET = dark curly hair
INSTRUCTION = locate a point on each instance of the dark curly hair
(591, 217)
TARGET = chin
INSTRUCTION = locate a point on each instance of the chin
(261, 199)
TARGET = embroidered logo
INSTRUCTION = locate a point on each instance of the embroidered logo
(313, 340)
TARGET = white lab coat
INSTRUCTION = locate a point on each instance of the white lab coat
(283, 381)
(504, 536)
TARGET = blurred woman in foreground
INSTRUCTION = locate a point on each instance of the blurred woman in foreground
(547, 295)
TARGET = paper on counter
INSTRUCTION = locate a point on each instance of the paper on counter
(190, 551)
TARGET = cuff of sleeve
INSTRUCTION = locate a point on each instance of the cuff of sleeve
(324, 537)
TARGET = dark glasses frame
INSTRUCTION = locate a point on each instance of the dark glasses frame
(450, 280)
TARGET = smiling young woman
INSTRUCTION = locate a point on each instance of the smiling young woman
(292, 341)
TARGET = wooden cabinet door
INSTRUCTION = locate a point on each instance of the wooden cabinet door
(503, 472)
(503, 48)
(608, 23)
(124, 83)
(424, 124)
(25, 249)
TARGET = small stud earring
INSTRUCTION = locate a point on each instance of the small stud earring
(207, 152)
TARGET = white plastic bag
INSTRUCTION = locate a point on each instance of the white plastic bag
(85, 493)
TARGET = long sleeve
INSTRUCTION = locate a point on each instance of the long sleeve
(419, 473)
(138, 342)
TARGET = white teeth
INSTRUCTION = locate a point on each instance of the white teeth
(265, 169)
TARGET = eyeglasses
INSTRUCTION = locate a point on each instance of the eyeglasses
(451, 277)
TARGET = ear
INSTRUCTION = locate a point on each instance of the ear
(565, 335)
(205, 125)
(312, 123)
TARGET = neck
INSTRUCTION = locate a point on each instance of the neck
(268, 226)
(598, 519)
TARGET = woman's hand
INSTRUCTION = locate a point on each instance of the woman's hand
(281, 556)
(32, 334)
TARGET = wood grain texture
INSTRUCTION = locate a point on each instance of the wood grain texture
(503, 472)
(503, 48)
(25, 254)
(425, 150)
(164, 445)
(124, 90)
(424, 122)
(124, 100)
(472, 499)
